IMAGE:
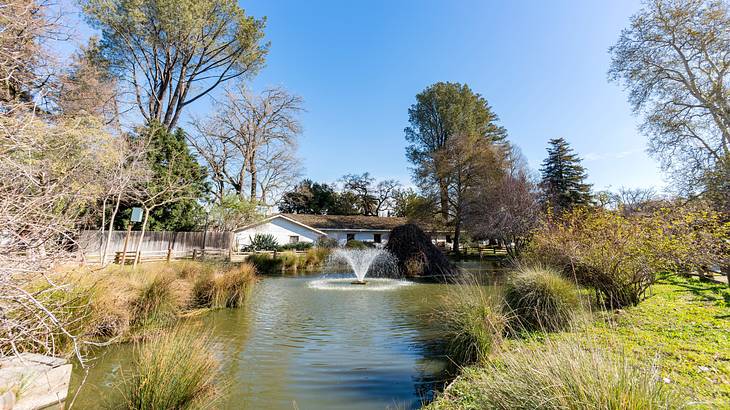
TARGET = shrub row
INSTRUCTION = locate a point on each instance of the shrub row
(619, 255)
(289, 260)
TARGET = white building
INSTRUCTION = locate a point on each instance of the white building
(292, 228)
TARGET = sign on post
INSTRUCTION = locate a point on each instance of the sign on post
(136, 215)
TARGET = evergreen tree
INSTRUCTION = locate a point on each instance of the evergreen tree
(170, 149)
(563, 178)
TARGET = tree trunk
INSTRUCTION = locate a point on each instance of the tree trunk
(111, 229)
(444, 199)
(141, 237)
(457, 235)
(252, 170)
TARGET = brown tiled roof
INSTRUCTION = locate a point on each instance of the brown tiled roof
(353, 222)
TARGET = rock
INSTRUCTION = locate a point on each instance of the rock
(43, 380)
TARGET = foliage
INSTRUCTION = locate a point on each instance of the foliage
(600, 249)
(538, 298)
(453, 141)
(172, 53)
(170, 158)
(297, 246)
(326, 242)
(155, 301)
(684, 239)
(309, 197)
(370, 198)
(263, 242)
(507, 210)
(562, 375)
(471, 322)
(266, 263)
(173, 370)
(619, 255)
(563, 178)
(673, 60)
(409, 204)
(233, 212)
(355, 244)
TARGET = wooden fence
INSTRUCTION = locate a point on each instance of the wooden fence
(180, 245)
(195, 254)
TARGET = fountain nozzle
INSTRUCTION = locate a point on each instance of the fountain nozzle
(358, 282)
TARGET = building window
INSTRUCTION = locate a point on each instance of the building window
(350, 237)
(294, 239)
(377, 238)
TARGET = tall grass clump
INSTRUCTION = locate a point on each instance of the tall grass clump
(472, 322)
(156, 300)
(226, 288)
(173, 370)
(538, 298)
(564, 375)
(289, 260)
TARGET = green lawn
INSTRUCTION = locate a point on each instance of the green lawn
(683, 327)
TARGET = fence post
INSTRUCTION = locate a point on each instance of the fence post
(126, 241)
(230, 254)
(195, 251)
(169, 254)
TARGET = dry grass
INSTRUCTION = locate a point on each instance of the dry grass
(472, 322)
(174, 370)
(120, 304)
(559, 375)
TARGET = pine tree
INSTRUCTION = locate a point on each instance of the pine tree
(563, 178)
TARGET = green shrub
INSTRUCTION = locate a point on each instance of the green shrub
(265, 263)
(262, 242)
(540, 299)
(600, 249)
(325, 242)
(471, 321)
(173, 370)
(567, 376)
(355, 244)
(297, 246)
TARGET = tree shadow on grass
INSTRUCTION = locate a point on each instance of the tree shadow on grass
(703, 289)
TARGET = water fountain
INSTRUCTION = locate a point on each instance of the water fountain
(379, 265)
(362, 261)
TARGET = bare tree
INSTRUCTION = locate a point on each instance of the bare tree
(172, 53)
(630, 200)
(48, 178)
(250, 136)
(674, 59)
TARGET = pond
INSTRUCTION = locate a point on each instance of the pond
(300, 345)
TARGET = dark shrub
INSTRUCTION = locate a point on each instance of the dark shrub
(540, 299)
(417, 255)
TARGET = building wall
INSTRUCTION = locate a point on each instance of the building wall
(280, 228)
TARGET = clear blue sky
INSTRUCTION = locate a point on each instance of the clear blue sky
(541, 65)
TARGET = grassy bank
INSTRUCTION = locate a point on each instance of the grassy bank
(677, 339)
(120, 304)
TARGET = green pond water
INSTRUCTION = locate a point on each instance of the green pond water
(310, 342)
